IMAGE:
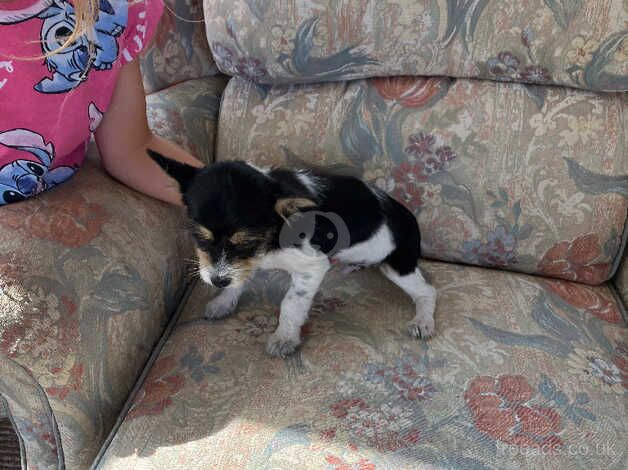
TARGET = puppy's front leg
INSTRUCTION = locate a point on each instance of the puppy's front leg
(294, 310)
(224, 304)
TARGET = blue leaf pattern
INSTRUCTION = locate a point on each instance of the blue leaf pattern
(564, 10)
(198, 368)
(570, 409)
(544, 343)
(594, 74)
(559, 327)
(594, 183)
(301, 64)
(462, 19)
(358, 142)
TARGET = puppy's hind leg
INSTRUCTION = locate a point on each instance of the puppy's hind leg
(423, 295)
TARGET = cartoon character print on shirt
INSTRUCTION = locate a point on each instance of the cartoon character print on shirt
(71, 66)
(95, 116)
(7, 66)
(24, 177)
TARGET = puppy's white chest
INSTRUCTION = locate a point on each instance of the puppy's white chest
(369, 252)
(304, 259)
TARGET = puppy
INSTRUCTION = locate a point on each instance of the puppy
(246, 218)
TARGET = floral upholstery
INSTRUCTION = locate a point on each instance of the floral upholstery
(579, 43)
(523, 372)
(498, 174)
(179, 50)
(82, 303)
(81, 306)
(187, 113)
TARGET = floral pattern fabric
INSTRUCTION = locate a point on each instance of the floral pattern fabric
(187, 113)
(81, 303)
(500, 175)
(523, 372)
(577, 43)
(81, 306)
(179, 50)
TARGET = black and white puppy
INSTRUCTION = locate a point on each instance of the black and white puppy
(246, 219)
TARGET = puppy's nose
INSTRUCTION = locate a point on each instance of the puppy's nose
(221, 282)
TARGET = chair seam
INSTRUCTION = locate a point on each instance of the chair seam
(189, 287)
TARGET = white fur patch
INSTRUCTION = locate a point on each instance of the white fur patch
(309, 181)
(219, 269)
(307, 268)
(205, 267)
(206, 275)
(413, 284)
(304, 260)
(424, 297)
(371, 251)
(259, 168)
(296, 304)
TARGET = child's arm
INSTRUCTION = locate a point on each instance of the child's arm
(123, 137)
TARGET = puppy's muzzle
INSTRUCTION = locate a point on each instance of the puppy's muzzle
(218, 274)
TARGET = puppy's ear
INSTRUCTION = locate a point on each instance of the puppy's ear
(288, 206)
(181, 172)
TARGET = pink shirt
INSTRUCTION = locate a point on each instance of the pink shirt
(49, 107)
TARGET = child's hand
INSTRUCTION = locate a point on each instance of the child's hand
(123, 137)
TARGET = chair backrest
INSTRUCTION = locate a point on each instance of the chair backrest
(524, 177)
(581, 43)
(179, 50)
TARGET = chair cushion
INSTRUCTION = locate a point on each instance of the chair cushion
(186, 113)
(522, 373)
(501, 175)
(90, 273)
(578, 43)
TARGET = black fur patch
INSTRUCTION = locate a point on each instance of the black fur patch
(230, 197)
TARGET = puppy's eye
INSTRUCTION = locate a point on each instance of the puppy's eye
(203, 244)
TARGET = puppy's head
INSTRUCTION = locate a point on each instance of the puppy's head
(237, 213)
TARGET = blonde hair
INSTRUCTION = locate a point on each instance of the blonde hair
(86, 14)
(85, 17)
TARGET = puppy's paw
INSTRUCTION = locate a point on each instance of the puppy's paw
(421, 328)
(281, 347)
(217, 309)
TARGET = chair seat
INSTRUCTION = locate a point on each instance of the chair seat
(81, 307)
(523, 372)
